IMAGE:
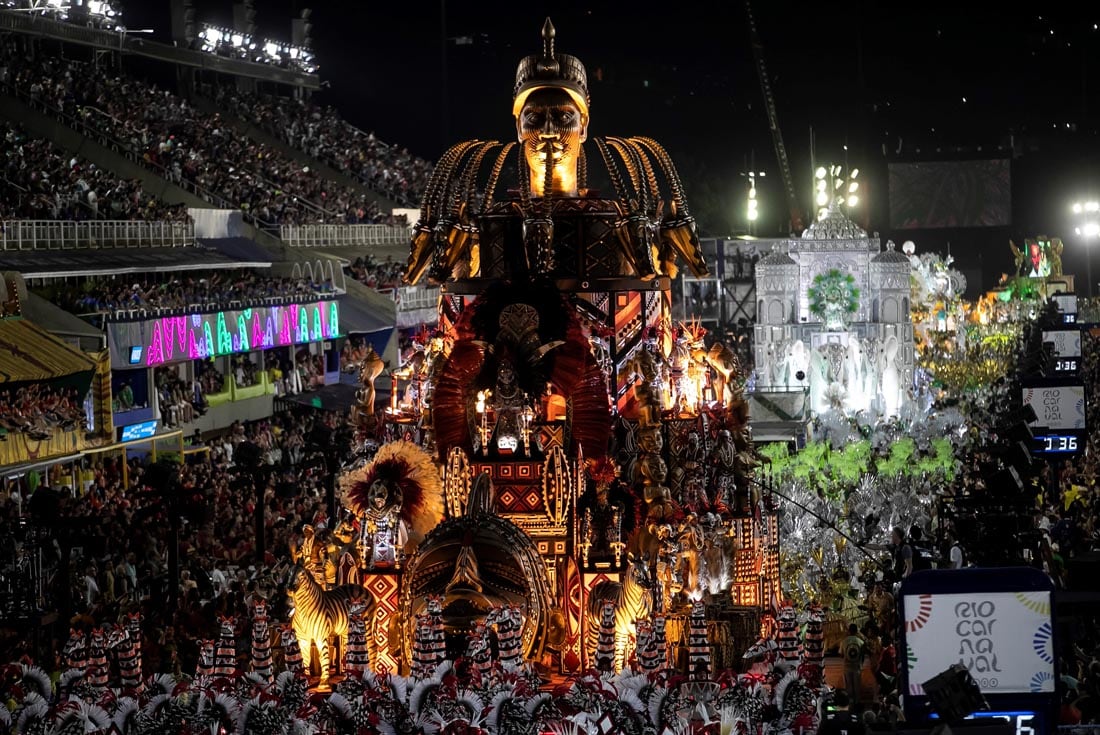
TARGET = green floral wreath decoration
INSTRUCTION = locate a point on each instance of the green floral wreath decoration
(833, 289)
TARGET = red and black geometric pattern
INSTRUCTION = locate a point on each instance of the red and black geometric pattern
(383, 590)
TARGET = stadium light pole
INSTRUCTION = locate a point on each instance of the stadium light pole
(1088, 229)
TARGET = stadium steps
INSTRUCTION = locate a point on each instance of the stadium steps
(43, 125)
(258, 134)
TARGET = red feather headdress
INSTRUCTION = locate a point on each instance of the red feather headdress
(410, 475)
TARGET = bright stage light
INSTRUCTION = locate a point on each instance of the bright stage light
(1092, 206)
(1077, 208)
(853, 200)
(822, 199)
(853, 187)
(1091, 229)
(820, 172)
(855, 173)
(237, 40)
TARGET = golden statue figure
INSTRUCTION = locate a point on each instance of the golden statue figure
(640, 233)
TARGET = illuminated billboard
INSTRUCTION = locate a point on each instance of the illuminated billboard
(201, 335)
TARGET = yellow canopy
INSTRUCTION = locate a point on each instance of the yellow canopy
(30, 353)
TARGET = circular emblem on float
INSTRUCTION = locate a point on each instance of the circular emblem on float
(916, 617)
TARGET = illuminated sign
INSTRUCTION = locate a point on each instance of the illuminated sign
(144, 430)
(135, 354)
(1067, 342)
(1057, 444)
(1023, 723)
(201, 335)
(1060, 408)
(1065, 302)
(1002, 638)
(1066, 364)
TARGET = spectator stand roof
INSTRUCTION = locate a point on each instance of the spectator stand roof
(57, 321)
(30, 353)
(224, 255)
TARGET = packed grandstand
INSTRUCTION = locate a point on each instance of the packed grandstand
(200, 273)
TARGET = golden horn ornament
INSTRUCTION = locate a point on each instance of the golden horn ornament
(678, 235)
(420, 254)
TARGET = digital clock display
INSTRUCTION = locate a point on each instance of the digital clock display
(1057, 443)
(1069, 319)
(1025, 723)
(1065, 365)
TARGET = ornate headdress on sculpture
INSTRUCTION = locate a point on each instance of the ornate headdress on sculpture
(550, 70)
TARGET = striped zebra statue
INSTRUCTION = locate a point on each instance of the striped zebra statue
(813, 646)
(480, 652)
(632, 601)
(75, 652)
(225, 654)
(787, 636)
(292, 652)
(129, 664)
(509, 622)
(97, 672)
(357, 654)
(699, 651)
(605, 641)
(261, 640)
(204, 668)
(320, 615)
(645, 652)
(660, 640)
(133, 623)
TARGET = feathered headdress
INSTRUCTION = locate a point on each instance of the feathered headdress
(412, 479)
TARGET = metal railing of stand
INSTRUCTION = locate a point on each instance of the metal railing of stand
(313, 236)
(73, 235)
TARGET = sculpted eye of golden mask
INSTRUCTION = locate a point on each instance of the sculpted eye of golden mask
(552, 128)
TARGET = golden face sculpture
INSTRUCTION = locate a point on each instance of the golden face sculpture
(551, 127)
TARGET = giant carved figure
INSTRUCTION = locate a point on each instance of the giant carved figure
(891, 380)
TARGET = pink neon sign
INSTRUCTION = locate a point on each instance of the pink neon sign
(197, 336)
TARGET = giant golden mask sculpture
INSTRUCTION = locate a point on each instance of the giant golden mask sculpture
(551, 127)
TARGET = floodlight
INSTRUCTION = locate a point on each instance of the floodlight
(271, 49)
(853, 200)
(853, 187)
(752, 193)
(822, 199)
(855, 173)
(821, 185)
(1091, 229)
(820, 172)
(1092, 206)
(1077, 208)
(237, 40)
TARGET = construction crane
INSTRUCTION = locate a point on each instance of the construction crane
(773, 122)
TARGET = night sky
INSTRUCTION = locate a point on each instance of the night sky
(884, 79)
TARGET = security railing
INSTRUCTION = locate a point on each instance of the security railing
(38, 234)
(411, 298)
(315, 236)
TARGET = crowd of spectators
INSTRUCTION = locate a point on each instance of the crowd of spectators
(40, 181)
(321, 133)
(380, 275)
(38, 409)
(190, 148)
(180, 400)
(145, 291)
(118, 535)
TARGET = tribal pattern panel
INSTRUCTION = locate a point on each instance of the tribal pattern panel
(571, 654)
(383, 589)
(518, 485)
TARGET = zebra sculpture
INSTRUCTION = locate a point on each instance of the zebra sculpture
(292, 652)
(129, 663)
(96, 674)
(75, 652)
(319, 616)
(632, 601)
(813, 646)
(261, 640)
(787, 636)
(508, 620)
(204, 667)
(133, 623)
